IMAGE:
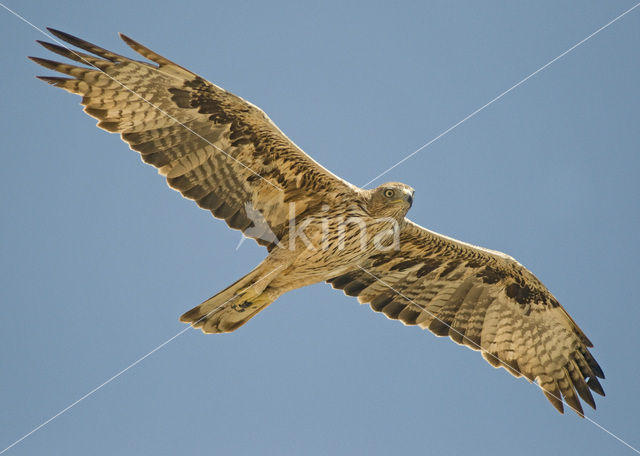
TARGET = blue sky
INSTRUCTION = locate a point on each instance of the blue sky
(99, 257)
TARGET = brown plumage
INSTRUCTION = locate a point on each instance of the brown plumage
(226, 155)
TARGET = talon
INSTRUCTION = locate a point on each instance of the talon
(241, 307)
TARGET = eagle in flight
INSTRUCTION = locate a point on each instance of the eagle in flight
(225, 154)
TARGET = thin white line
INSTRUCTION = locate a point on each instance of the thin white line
(131, 365)
(494, 356)
(137, 94)
(401, 161)
(94, 390)
(501, 95)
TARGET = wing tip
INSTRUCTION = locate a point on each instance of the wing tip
(147, 53)
(86, 45)
(53, 80)
(126, 39)
(49, 46)
(62, 35)
(47, 63)
(555, 398)
(595, 386)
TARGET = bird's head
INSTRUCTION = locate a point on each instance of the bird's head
(392, 199)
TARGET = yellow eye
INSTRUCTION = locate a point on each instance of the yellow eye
(388, 193)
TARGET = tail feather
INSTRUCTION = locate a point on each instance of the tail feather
(224, 317)
(229, 309)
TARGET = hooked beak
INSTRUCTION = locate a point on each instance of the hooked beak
(409, 198)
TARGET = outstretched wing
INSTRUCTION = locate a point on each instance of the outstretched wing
(482, 299)
(213, 147)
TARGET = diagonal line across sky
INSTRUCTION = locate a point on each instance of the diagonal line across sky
(133, 364)
(386, 171)
(550, 62)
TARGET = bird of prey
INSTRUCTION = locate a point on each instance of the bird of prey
(226, 154)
